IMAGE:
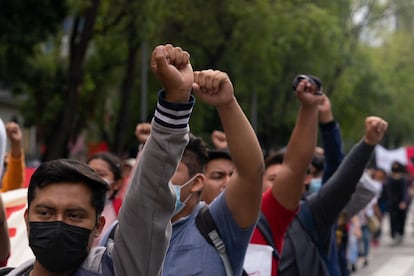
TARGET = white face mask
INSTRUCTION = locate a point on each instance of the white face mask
(179, 205)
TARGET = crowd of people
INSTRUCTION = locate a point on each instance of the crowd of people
(182, 207)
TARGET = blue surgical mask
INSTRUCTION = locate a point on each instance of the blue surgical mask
(315, 185)
(179, 205)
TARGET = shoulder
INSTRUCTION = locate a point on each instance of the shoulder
(21, 270)
(98, 258)
(274, 211)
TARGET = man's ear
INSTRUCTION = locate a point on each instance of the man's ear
(26, 218)
(99, 225)
(199, 183)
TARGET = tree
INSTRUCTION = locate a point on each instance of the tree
(262, 45)
(23, 24)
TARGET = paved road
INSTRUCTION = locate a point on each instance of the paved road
(388, 260)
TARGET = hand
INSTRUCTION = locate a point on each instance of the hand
(325, 110)
(213, 87)
(171, 65)
(375, 128)
(219, 139)
(142, 132)
(307, 93)
(402, 205)
(14, 134)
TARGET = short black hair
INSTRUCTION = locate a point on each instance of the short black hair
(68, 170)
(218, 154)
(195, 155)
(318, 162)
(274, 159)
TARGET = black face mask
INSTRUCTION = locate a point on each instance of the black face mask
(58, 246)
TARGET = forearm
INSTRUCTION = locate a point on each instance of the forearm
(332, 144)
(14, 175)
(288, 187)
(364, 193)
(144, 219)
(16, 149)
(302, 142)
(243, 194)
(244, 147)
(337, 191)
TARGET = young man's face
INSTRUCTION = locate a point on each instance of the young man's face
(70, 203)
(218, 173)
(189, 188)
(67, 203)
(270, 176)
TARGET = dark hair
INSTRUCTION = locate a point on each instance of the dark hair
(67, 170)
(218, 154)
(195, 155)
(113, 161)
(318, 162)
(274, 159)
(397, 167)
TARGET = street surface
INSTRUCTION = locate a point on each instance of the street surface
(389, 260)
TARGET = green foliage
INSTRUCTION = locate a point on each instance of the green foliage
(22, 25)
(397, 70)
(261, 44)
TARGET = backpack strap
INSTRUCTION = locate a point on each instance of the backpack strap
(305, 218)
(264, 228)
(5, 270)
(208, 229)
(109, 234)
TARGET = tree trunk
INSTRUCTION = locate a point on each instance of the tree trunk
(126, 91)
(79, 42)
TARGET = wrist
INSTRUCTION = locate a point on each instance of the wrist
(369, 141)
(309, 110)
(16, 152)
(328, 125)
(177, 96)
(226, 105)
(325, 118)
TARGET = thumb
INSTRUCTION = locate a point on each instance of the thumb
(196, 88)
(160, 60)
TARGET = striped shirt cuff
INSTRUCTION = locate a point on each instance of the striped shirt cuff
(173, 115)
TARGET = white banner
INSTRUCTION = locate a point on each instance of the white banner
(385, 157)
(15, 204)
(258, 260)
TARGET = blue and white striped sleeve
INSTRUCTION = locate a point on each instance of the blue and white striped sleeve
(173, 115)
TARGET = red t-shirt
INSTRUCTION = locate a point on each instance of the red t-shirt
(279, 219)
